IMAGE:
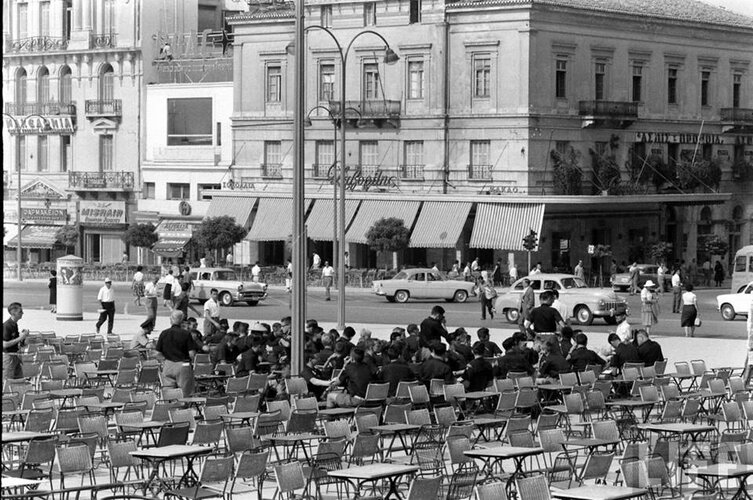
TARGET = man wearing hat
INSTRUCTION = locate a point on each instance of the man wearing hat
(106, 298)
(649, 305)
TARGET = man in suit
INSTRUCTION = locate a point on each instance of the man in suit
(527, 302)
(648, 350)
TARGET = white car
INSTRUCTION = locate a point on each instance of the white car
(732, 304)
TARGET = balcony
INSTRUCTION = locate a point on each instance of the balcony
(271, 170)
(412, 172)
(480, 172)
(379, 113)
(608, 114)
(104, 109)
(100, 181)
(44, 108)
(737, 120)
(102, 41)
(321, 171)
(37, 44)
(368, 170)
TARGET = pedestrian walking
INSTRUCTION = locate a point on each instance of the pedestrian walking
(689, 311)
(718, 273)
(661, 272)
(12, 340)
(612, 270)
(137, 285)
(649, 306)
(211, 313)
(167, 292)
(513, 272)
(527, 302)
(676, 291)
(328, 276)
(487, 294)
(467, 272)
(634, 273)
(579, 271)
(106, 298)
(151, 293)
(53, 286)
(256, 272)
(497, 274)
(316, 261)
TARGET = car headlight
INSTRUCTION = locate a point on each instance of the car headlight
(602, 304)
(240, 287)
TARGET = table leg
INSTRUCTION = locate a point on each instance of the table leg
(153, 476)
(511, 480)
(742, 491)
(393, 491)
(189, 477)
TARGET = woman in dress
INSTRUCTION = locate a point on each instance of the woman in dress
(167, 293)
(53, 286)
(718, 273)
(151, 294)
(689, 311)
(137, 285)
(649, 306)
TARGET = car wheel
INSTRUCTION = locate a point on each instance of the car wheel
(252, 302)
(512, 315)
(460, 296)
(402, 296)
(728, 312)
(390, 298)
(226, 299)
(584, 315)
(610, 320)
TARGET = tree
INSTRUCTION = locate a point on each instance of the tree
(606, 172)
(692, 174)
(140, 235)
(659, 251)
(568, 175)
(217, 233)
(67, 236)
(713, 244)
(388, 235)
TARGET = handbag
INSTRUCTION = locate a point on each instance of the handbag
(697, 322)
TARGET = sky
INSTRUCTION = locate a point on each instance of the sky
(739, 6)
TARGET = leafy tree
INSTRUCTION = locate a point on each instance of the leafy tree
(713, 244)
(659, 251)
(606, 172)
(140, 235)
(568, 176)
(388, 235)
(67, 236)
(217, 233)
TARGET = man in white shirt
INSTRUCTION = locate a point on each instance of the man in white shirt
(623, 328)
(211, 313)
(561, 307)
(535, 270)
(317, 261)
(289, 277)
(106, 298)
(579, 271)
(328, 274)
(676, 291)
(256, 272)
(513, 273)
(475, 266)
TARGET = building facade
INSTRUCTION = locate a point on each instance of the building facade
(624, 123)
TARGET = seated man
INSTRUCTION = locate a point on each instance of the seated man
(491, 349)
(624, 352)
(552, 363)
(316, 384)
(355, 378)
(396, 370)
(648, 350)
(581, 356)
(479, 373)
(436, 367)
(513, 361)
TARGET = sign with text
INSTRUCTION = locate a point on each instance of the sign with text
(44, 216)
(174, 229)
(359, 182)
(39, 125)
(677, 138)
(102, 212)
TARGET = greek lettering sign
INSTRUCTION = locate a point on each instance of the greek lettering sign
(102, 212)
(44, 215)
(238, 185)
(35, 125)
(174, 229)
(360, 182)
(677, 138)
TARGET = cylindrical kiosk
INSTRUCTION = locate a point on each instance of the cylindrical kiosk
(70, 288)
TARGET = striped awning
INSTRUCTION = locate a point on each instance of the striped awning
(170, 246)
(371, 211)
(439, 224)
(502, 226)
(238, 207)
(273, 220)
(319, 225)
(36, 237)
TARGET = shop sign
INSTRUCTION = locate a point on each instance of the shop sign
(44, 216)
(102, 212)
(502, 190)
(238, 185)
(360, 182)
(174, 229)
(665, 137)
(39, 125)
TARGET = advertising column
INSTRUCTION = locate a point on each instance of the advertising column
(70, 288)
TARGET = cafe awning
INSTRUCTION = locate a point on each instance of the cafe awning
(36, 237)
(174, 234)
(171, 246)
(319, 225)
(372, 210)
(273, 220)
(439, 224)
(502, 226)
(238, 207)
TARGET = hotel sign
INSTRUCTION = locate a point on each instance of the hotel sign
(672, 138)
(39, 125)
(360, 182)
(44, 216)
(102, 212)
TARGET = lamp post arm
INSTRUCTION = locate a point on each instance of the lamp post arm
(350, 44)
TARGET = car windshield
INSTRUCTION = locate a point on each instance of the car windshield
(568, 283)
(402, 275)
(225, 276)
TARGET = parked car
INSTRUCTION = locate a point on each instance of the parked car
(232, 289)
(621, 282)
(584, 302)
(422, 284)
(732, 304)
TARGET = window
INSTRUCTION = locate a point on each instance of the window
(705, 78)
(272, 152)
(207, 187)
(326, 81)
(561, 147)
(480, 164)
(672, 86)
(637, 82)
(21, 160)
(208, 17)
(325, 153)
(43, 85)
(368, 153)
(599, 77)
(105, 153)
(560, 79)
(43, 158)
(149, 191)
(482, 66)
(106, 84)
(370, 81)
(189, 122)
(737, 81)
(177, 191)
(326, 12)
(65, 152)
(274, 83)
(109, 17)
(414, 16)
(21, 87)
(44, 18)
(23, 20)
(414, 152)
(369, 14)
(65, 85)
(415, 79)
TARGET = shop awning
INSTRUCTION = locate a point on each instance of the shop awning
(238, 207)
(439, 224)
(371, 211)
(36, 237)
(170, 246)
(274, 220)
(502, 226)
(319, 225)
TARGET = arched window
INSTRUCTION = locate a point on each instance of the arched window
(706, 215)
(43, 85)
(737, 213)
(21, 87)
(66, 94)
(704, 221)
(106, 83)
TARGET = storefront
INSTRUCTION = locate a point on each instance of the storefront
(102, 224)
(174, 238)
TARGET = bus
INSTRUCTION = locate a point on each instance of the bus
(742, 272)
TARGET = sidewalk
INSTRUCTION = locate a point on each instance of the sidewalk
(716, 352)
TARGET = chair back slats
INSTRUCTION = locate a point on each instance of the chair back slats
(427, 488)
(173, 433)
(533, 488)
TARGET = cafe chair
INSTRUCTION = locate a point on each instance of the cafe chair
(289, 478)
(73, 460)
(248, 402)
(425, 488)
(533, 488)
(296, 388)
(596, 468)
(283, 405)
(240, 439)
(208, 433)
(462, 482)
(395, 413)
(173, 433)
(251, 468)
(365, 449)
(456, 447)
(217, 471)
(39, 453)
(215, 412)
(120, 457)
(376, 394)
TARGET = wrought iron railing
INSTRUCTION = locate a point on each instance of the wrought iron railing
(112, 107)
(737, 115)
(368, 170)
(100, 180)
(271, 170)
(608, 108)
(479, 172)
(38, 44)
(367, 109)
(412, 172)
(320, 170)
(40, 108)
(102, 40)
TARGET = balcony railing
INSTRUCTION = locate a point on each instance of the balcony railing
(737, 115)
(104, 108)
(367, 109)
(412, 172)
(608, 108)
(102, 41)
(368, 170)
(36, 108)
(480, 172)
(320, 171)
(38, 44)
(271, 170)
(105, 181)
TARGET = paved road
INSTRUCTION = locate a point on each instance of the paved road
(364, 307)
